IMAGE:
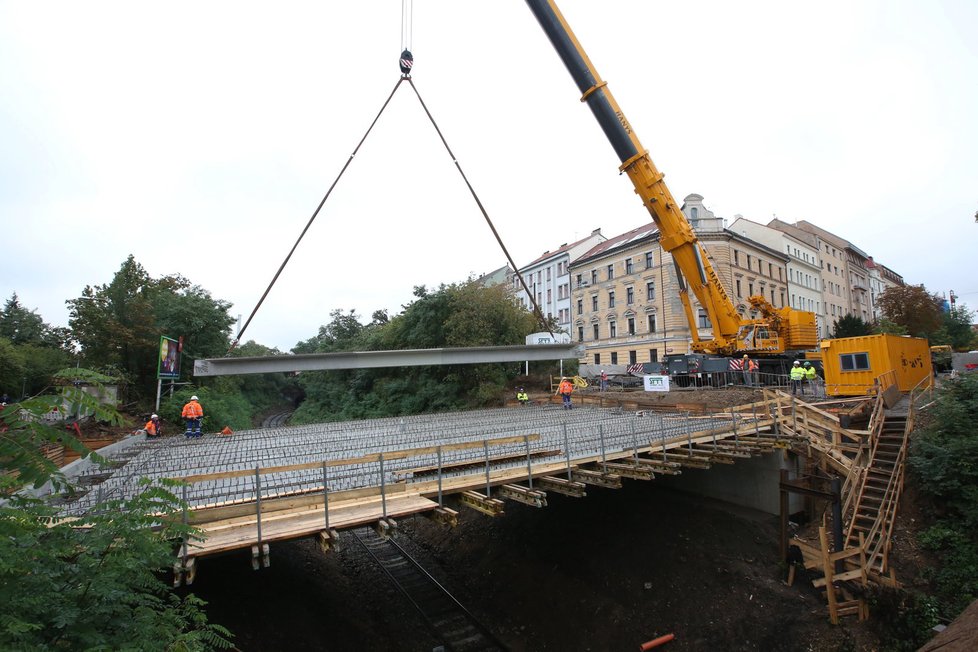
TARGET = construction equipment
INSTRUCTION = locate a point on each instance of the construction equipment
(777, 330)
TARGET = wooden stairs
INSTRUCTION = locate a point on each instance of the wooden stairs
(870, 499)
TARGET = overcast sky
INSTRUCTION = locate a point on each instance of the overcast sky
(200, 137)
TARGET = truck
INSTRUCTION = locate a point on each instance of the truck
(777, 335)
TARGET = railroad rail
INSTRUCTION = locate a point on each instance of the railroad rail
(449, 620)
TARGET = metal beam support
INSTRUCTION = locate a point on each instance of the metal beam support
(376, 359)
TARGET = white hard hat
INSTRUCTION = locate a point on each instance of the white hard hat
(154, 417)
(194, 398)
(796, 362)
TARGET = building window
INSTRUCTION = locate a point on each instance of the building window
(650, 290)
(772, 296)
(612, 329)
(597, 335)
(594, 303)
(611, 298)
(597, 358)
(782, 299)
(580, 306)
(629, 296)
(549, 295)
(632, 357)
(770, 270)
(631, 325)
(548, 273)
(854, 361)
(628, 266)
(649, 260)
(594, 276)
(652, 323)
(579, 279)
(750, 289)
(611, 272)
(614, 357)
(736, 257)
(738, 288)
(654, 355)
(704, 319)
(580, 333)
(748, 261)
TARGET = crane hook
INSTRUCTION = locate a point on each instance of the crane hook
(407, 62)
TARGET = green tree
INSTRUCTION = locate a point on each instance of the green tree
(119, 325)
(941, 461)
(851, 326)
(885, 326)
(912, 307)
(955, 329)
(457, 315)
(30, 350)
(91, 583)
(19, 325)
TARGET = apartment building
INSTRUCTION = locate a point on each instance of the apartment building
(881, 278)
(804, 273)
(548, 279)
(625, 293)
(847, 272)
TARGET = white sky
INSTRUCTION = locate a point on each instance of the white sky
(201, 136)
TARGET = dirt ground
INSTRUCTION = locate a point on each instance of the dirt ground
(606, 572)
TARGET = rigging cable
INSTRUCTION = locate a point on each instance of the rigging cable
(406, 63)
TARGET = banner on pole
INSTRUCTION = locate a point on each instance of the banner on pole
(169, 362)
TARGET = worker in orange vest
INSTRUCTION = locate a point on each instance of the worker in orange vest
(193, 414)
(565, 389)
(152, 426)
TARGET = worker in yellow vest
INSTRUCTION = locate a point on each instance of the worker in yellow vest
(797, 376)
(811, 376)
(522, 396)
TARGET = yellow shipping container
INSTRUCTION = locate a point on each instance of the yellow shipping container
(852, 364)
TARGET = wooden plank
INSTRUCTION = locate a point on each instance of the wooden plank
(562, 486)
(279, 527)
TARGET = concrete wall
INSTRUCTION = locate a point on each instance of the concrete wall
(749, 483)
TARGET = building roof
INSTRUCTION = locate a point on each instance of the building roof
(561, 249)
(646, 232)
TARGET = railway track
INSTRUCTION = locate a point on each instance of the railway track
(275, 420)
(452, 623)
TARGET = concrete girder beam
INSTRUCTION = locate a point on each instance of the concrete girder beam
(376, 359)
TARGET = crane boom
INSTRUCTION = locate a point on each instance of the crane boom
(731, 332)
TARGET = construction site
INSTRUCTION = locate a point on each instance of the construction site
(345, 494)
(738, 484)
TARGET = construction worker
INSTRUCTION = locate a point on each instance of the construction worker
(193, 414)
(522, 396)
(152, 426)
(604, 380)
(565, 389)
(811, 376)
(797, 375)
(749, 369)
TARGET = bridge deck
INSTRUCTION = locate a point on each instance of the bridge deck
(266, 485)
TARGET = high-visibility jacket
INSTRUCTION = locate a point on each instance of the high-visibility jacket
(565, 387)
(797, 373)
(521, 396)
(150, 428)
(810, 373)
(751, 365)
(192, 410)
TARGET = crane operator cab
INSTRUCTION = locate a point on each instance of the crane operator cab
(757, 337)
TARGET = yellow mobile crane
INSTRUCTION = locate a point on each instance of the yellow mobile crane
(778, 330)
